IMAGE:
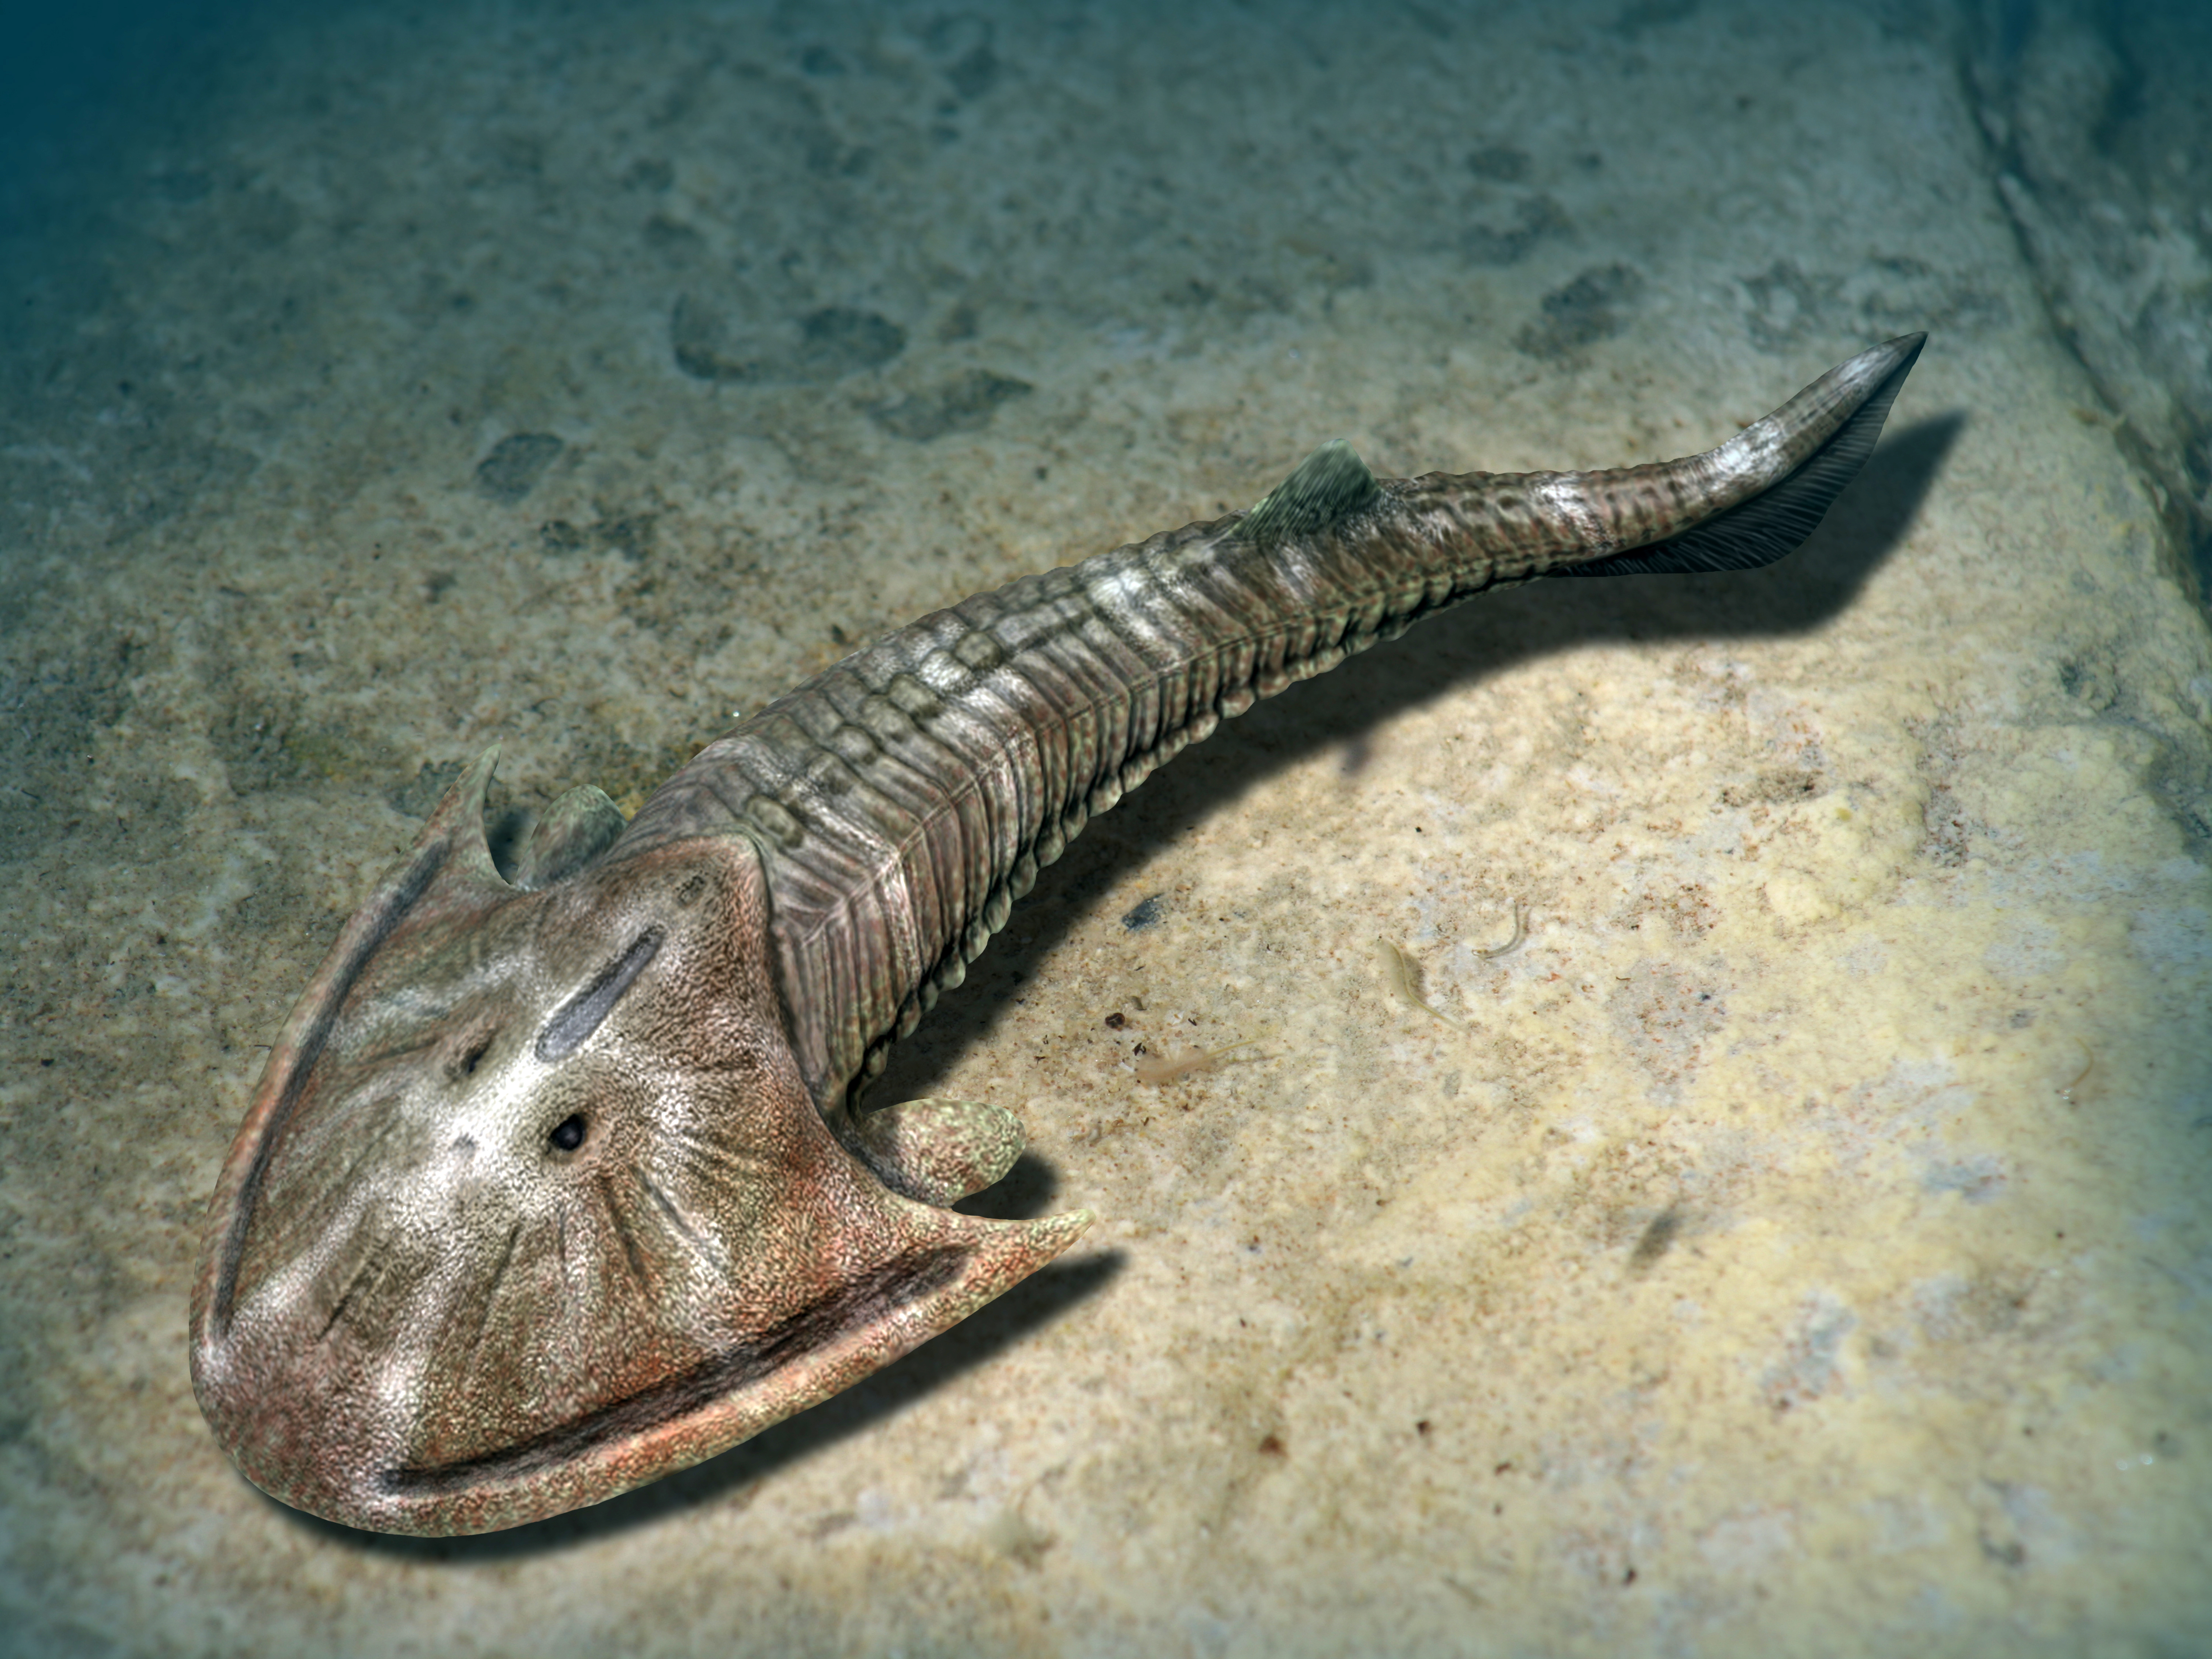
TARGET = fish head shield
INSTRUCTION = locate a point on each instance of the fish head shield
(531, 1204)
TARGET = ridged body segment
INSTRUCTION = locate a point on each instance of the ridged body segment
(905, 796)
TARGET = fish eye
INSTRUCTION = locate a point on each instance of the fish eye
(568, 1133)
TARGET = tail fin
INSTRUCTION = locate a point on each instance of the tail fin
(1808, 453)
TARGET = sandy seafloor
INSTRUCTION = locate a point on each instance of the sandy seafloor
(1799, 1246)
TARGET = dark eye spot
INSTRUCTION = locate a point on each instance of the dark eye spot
(466, 1063)
(568, 1133)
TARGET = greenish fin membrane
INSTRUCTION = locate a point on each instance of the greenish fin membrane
(1329, 485)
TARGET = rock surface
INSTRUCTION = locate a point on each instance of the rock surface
(2097, 120)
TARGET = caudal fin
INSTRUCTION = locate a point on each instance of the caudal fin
(1777, 519)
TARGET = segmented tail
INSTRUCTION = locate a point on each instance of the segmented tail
(1744, 504)
(904, 799)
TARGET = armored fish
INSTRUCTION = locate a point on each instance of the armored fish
(559, 1180)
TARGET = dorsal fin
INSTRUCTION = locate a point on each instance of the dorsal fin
(1330, 484)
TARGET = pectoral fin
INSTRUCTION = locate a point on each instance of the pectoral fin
(938, 1151)
(572, 832)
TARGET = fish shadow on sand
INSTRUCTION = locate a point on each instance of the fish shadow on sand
(1448, 653)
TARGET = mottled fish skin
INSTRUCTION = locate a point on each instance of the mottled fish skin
(554, 1183)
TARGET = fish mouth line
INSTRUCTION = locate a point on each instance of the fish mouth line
(865, 1304)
